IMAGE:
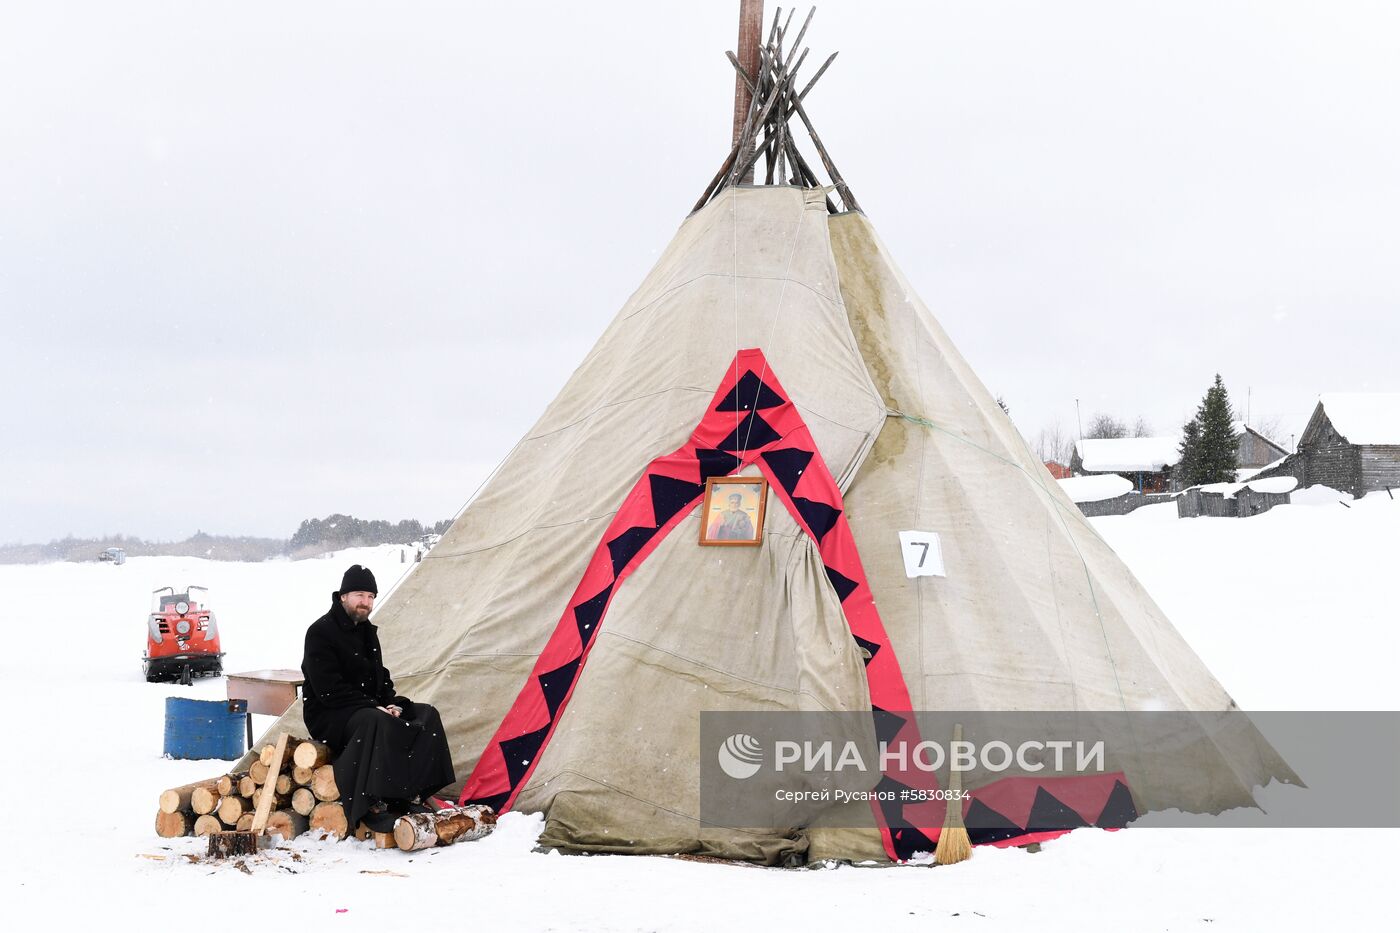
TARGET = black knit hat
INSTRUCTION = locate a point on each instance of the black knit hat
(357, 580)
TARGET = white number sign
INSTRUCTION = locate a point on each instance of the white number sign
(923, 554)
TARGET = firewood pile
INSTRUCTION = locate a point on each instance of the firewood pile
(304, 799)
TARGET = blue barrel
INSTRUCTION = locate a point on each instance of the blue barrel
(205, 728)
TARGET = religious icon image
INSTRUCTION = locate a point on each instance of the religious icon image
(733, 511)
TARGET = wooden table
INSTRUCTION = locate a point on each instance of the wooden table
(269, 692)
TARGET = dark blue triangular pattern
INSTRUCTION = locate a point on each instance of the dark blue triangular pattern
(495, 801)
(669, 496)
(986, 825)
(887, 724)
(587, 614)
(520, 751)
(1120, 809)
(843, 585)
(787, 465)
(750, 393)
(751, 434)
(715, 463)
(819, 516)
(1047, 813)
(555, 684)
(626, 545)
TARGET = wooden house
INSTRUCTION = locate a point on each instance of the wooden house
(1256, 450)
(1146, 461)
(1351, 443)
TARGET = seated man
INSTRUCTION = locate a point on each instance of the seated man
(390, 752)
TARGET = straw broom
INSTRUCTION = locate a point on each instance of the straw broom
(953, 843)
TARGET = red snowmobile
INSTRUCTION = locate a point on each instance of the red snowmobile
(182, 637)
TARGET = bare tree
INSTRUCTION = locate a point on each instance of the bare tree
(1052, 443)
(1141, 428)
(1105, 425)
(1271, 426)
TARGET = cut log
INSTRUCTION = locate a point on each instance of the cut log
(227, 845)
(443, 828)
(206, 824)
(204, 800)
(227, 786)
(258, 772)
(245, 822)
(178, 798)
(170, 825)
(323, 783)
(303, 801)
(231, 809)
(463, 824)
(415, 831)
(284, 785)
(265, 755)
(287, 823)
(302, 775)
(247, 786)
(330, 818)
(311, 755)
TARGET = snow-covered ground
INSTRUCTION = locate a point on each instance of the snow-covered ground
(1292, 609)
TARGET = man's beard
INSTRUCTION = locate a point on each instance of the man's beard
(357, 615)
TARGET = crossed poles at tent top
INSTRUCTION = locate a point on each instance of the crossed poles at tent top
(774, 102)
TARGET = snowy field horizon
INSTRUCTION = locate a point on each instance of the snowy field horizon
(1291, 610)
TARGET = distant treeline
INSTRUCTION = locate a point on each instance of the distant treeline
(337, 532)
(314, 536)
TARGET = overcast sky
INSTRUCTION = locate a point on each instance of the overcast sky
(265, 261)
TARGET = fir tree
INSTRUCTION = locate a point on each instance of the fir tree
(1188, 468)
(1209, 445)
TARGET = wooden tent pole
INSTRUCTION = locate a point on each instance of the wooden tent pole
(750, 26)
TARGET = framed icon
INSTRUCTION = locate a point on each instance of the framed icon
(733, 511)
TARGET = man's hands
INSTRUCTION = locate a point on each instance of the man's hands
(392, 710)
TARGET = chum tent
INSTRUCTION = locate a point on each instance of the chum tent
(571, 631)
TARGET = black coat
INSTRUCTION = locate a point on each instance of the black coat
(344, 671)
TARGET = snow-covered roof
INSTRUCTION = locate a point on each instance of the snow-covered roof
(1127, 454)
(1274, 484)
(1364, 417)
(1268, 484)
(1095, 488)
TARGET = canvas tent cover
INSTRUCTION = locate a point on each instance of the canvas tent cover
(584, 704)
